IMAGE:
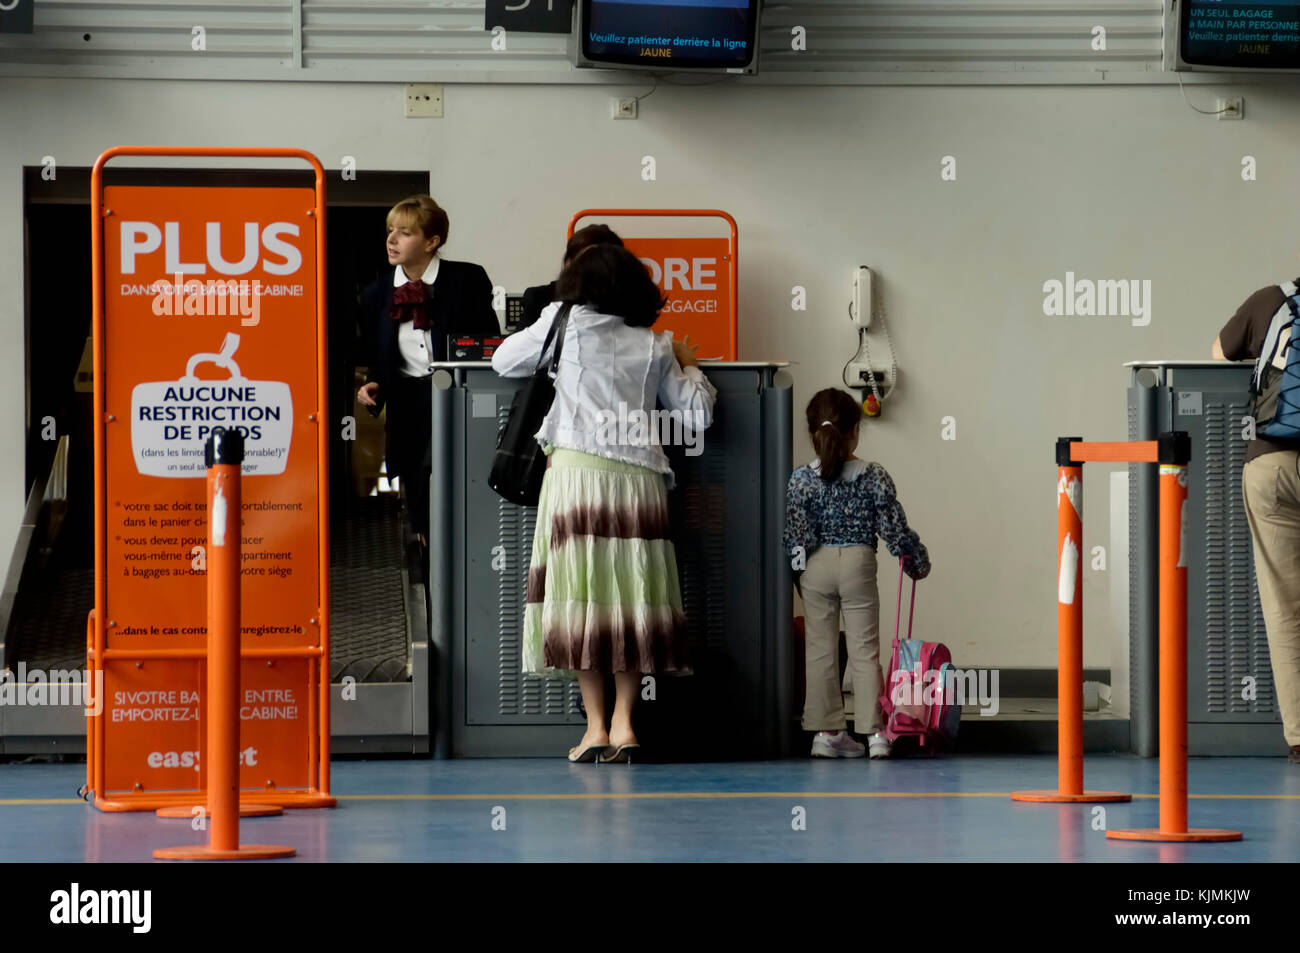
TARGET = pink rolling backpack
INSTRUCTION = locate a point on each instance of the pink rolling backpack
(916, 702)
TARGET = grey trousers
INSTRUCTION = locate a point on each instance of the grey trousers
(841, 577)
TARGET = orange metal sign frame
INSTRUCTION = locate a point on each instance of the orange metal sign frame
(316, 657)
(732, 259)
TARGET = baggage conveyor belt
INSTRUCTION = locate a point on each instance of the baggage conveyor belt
(368, 625)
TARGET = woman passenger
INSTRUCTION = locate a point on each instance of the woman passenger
(603, 592)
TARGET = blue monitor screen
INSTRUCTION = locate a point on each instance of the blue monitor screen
(1240, 35)
(670, 34)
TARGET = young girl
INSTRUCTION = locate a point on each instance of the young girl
(836, 507)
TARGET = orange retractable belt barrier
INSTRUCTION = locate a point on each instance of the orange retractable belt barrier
(225, 453)
(1173, 452)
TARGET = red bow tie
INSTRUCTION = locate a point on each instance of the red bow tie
(409, 304)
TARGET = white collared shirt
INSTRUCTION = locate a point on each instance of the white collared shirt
(609, 378)
(416, 346)
(852, 469)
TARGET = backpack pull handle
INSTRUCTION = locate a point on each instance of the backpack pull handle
(911, 610)
(898, 609)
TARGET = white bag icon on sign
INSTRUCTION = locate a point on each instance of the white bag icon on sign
(172, 420)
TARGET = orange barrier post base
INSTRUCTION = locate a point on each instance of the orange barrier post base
(1195, 834)
(1056, 797)
(186, 811)
(285, 799)
(243, 852)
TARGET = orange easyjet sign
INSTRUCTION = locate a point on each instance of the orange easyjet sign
(693, 274)
(210, 321)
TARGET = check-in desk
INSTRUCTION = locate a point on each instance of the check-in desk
(727, 511)
(1227, 646)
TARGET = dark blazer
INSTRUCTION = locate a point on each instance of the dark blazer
(535, 301)
(462, 304)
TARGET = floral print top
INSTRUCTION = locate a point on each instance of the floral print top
(851, 511)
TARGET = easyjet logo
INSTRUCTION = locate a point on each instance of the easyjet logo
(261, 243)
(190, 759)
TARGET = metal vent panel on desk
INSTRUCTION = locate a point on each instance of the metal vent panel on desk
(496, 595)
(700, 544)
(1235, 645)
(512, 526)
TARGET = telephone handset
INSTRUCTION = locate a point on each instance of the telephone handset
(863, 312)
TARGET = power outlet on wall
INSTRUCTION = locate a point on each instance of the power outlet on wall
(423, 101)
(1230, 108)
(622, 108)
(856, 374)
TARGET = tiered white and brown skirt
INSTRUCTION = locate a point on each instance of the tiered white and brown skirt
(603, 593)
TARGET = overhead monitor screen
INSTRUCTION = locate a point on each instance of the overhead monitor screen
(1240, 35)
(670, 34)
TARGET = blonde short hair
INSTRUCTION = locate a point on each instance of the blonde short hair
(422, 212)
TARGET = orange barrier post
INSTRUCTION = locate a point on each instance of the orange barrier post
(1173, 660)
(225, 453)
(1069, 639)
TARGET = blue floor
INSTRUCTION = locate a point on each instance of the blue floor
(952, 809)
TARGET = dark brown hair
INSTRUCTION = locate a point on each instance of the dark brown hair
(831, 440)
(422, 212)
(612, 280)
(591, 235)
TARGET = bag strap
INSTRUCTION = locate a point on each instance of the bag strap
(1275, 327)
(561, 319)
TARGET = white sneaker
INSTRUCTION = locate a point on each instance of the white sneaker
(880, 746)
(836, 744)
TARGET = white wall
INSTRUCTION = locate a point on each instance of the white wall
(1123, 182)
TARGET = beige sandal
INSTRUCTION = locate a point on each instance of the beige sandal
(622, 754)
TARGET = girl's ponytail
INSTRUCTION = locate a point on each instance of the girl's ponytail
(832, 415)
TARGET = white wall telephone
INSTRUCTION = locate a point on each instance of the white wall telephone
(862, 312)
(862, 298)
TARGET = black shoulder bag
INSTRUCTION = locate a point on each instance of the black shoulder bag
(519, 464)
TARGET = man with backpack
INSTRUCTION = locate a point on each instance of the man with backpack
(1270, 482)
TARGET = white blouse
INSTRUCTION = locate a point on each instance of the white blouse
(608, 380)
(413, 345)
